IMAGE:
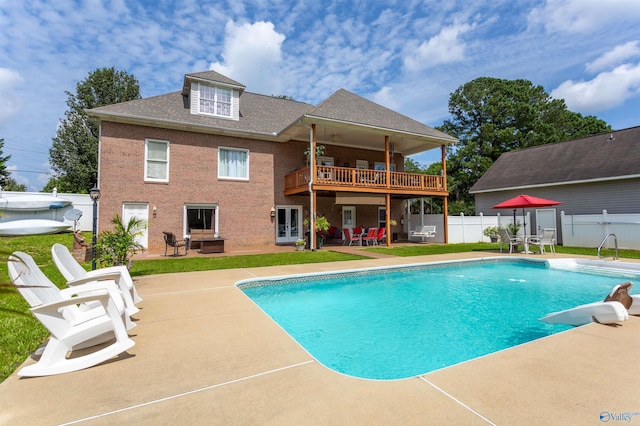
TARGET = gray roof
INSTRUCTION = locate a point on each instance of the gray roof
(605, 156)
(349, 107)
(210, 76)
(259, 114)
(274, 118)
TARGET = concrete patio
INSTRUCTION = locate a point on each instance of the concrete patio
(205, 354)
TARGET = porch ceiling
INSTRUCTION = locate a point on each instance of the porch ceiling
(332, 132)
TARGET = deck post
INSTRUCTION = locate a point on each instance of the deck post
(312, 172)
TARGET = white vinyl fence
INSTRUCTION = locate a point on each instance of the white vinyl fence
(589, 230)
(577, 230)
(464, 229)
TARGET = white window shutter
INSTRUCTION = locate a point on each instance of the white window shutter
(235, 104)
(195, 98)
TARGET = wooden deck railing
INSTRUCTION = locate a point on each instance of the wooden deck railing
(345, 178)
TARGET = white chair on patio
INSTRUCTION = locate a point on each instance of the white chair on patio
(77, 317)
(506, 238)
(548, 238)
(75, 274)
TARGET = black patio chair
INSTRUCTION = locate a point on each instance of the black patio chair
(170, 240)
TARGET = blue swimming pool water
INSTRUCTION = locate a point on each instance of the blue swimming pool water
(406, 322)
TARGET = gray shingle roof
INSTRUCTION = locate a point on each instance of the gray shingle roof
(591, 158)
(211, 76)
(267, 116)
(259, 114)
(346, 106)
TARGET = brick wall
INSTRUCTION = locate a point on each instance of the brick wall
(244, 206)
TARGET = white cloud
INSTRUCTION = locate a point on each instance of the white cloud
(615, 57)
(605, 91)
(388, 97)
(252, 55)
(10, 101)
(443, 48)
(582, 16)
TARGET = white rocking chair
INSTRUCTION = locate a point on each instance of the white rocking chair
(75, 274)
(77, 317)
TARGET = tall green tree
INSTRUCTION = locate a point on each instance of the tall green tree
(74, 154)
(491, 116)
(6, 181)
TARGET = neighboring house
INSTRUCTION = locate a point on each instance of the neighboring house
(214, 156)
(587, 175)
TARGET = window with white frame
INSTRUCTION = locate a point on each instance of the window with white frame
(233, 163)
(215, 101)
(382, 166)
(156, 164)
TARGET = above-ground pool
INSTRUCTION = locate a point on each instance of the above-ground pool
(400, 322)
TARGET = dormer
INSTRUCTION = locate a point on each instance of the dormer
(213, 94)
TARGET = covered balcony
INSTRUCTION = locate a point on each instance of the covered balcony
(331, 178)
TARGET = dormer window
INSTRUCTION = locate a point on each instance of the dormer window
(215, 101)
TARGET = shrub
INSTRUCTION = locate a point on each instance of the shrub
(115, 247)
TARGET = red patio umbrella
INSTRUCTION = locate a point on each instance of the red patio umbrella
(525, 201)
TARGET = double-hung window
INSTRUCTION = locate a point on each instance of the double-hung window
(156, 161)
(233, 163)
(215, 101)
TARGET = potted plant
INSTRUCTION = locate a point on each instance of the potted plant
(300, 243)
(491, 232)
(115, 247)
(513, 228)
(320, 149)
(322, 225)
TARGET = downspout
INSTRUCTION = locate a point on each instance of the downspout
(445, 204)
(312, 161)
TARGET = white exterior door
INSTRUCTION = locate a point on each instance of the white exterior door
(140, 211)
(545, 218)
(288, 224)
(348, 217)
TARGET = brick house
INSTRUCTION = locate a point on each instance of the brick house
(214, 156)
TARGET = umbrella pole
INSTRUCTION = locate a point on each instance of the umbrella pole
(514, 217)
(524, 222)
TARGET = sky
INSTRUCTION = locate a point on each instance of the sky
(406, 55)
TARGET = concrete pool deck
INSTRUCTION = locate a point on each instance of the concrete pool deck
(205, 354)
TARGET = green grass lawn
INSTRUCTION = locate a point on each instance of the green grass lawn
(21, 334)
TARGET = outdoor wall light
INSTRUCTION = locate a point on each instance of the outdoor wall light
(273, 212)
(155, 210)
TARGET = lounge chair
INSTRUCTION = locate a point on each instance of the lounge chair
(371, 237)
(506, 238)
(348, 238)
(382, 234)
(426, 231)
(548, 238)
(75, 274)
(77, 318)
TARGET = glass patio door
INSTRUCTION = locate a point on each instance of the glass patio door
(288, 224)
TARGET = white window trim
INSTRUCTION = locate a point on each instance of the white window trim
(146, 160)
(220, 148)
(216, 217)
(215, 101)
